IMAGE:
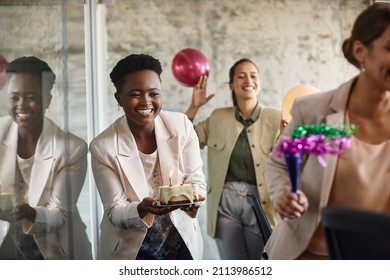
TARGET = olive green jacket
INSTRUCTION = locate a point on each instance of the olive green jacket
(219, 132)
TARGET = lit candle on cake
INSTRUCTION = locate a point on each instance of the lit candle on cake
(170, 179)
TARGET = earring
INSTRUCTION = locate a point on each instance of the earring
(362, 67)
(118, 106)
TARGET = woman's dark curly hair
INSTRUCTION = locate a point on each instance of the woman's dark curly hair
(35, 66)
(132, 63)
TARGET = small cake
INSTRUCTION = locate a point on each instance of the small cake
(6, 204)
(176, 194)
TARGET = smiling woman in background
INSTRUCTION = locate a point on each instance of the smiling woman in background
(238, 141)
(44, 167)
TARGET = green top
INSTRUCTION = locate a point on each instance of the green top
(241, 167)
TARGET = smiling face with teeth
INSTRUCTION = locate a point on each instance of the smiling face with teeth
(26, 104)
(140, 98)
(246, 82)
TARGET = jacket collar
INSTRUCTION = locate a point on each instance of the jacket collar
(339, 102)
(168, 150)
(8, 149)
(43, 159)
(338, 105)
(129, 159)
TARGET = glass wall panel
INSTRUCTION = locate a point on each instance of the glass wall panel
(44, 160)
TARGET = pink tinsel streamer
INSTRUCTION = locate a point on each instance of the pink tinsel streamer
(314, 144)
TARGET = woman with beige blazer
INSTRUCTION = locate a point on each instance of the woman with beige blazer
(135, 155)
(238, 141)
(359, 177)
(44, 168)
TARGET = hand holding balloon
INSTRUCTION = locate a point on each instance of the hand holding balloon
(199, 95)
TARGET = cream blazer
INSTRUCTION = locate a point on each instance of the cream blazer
(290, 238)
(219, 132)
(58, 174)
(121, 182)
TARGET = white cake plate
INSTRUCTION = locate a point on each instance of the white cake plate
(179, 204)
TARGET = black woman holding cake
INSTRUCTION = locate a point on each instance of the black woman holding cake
(238, 140)
(144, 149)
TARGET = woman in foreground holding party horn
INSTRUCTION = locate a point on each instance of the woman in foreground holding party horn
(337, 165)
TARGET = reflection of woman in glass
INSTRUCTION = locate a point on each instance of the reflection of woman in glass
(134, 156)
(44, 167)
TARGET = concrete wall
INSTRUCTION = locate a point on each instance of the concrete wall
(292, 42)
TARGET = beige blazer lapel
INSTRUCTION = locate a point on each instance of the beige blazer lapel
(43, 162)
(8, 150)
(130, 162)
(168, 153)
(331, 162)
(338, 106)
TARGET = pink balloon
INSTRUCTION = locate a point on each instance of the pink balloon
(3, 64)
(3, 73)
(3, 79)
(188, 65)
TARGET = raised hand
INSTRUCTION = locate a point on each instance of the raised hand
(199, 97)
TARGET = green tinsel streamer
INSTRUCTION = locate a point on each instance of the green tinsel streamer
(328, 131)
